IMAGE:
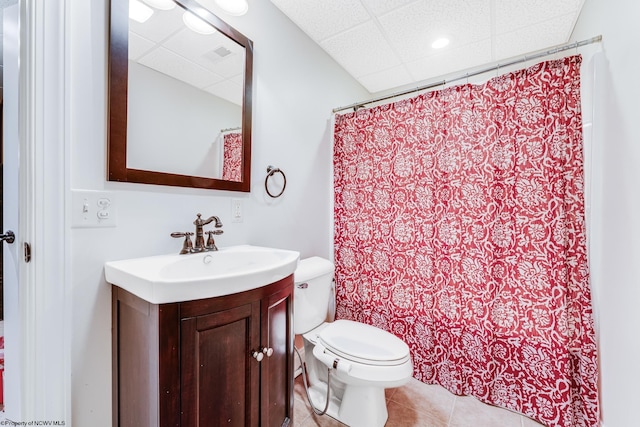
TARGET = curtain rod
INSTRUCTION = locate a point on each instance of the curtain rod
(523, 58)
(230, 129)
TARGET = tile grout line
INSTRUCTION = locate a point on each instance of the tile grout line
(453, 407)
(308, 410)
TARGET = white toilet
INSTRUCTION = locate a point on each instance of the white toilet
(364, 360)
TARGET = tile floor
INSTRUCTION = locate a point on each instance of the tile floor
(418, 404)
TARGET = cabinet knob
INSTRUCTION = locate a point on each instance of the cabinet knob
(257, 355)
(268, 351)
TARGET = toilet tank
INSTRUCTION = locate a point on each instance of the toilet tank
(312, 295)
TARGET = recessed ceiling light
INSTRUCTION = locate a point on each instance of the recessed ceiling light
(139, 12)
(233, 7)
(197, 24)
(161, 4)
(440, 43)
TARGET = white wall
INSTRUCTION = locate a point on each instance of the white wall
(615, 203)
(176, 126)
(295, 87)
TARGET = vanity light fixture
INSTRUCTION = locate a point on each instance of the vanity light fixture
(139, 11)
(197, 24)
(440, 43)
(233, 7)
(161, 4)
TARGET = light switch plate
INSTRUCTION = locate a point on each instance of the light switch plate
(93, 209)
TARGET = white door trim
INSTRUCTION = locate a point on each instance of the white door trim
(11, 218)
(44, 298)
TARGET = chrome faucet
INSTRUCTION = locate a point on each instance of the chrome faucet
(200, 245)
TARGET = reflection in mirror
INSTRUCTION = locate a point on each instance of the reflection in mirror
(232, 154)
(188, 110)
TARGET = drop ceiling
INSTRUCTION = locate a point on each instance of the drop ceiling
(211, 62)
(385, 44)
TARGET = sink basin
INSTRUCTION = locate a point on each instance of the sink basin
(174, 278)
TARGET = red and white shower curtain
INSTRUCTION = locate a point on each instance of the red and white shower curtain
(232, 157)
(460, 227)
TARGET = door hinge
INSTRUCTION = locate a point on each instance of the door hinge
(27, 252)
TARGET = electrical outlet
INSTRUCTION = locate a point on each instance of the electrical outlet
(236, 210)
(93, 209)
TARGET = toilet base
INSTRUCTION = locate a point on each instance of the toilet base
(355, 399)
(318, 394)
(349, 409)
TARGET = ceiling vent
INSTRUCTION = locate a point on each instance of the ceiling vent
(218, 54)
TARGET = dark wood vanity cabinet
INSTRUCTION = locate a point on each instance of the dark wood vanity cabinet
(224, 361)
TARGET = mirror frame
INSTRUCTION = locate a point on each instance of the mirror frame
(118, 73)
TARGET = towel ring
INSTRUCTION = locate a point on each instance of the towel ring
(270, 172)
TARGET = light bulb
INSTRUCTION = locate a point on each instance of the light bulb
(161, 4)
(440, 43)
(197, 24)
(233, 7)
(138, 11)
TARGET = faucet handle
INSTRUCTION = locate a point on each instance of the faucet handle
(211, 244)
(187, 246)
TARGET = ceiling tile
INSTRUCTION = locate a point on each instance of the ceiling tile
(239, 79)
(228, 90)
(227, 67)
(361, 50)
(413, 28)
(380, 7)
(511, 15)
(190, 44)
(536, 37)
(322, 19)
(364, 35)
(451, 61)
(176, 66)
(138, 46)
(216, 52)
(161, 25)
(385, 79)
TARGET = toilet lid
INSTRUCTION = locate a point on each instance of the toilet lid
(364, 343)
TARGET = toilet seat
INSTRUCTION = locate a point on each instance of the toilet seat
(365, 344)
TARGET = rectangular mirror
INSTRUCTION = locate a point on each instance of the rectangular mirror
(179, 96)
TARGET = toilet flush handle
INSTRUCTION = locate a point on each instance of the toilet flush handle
(304, 285)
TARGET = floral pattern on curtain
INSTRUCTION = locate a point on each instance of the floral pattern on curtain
(232, 160)
(460, 227)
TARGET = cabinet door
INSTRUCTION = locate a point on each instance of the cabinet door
(219, 378)
(277, 370)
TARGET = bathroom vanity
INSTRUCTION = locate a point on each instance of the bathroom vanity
(196, 362)
(213, 361)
